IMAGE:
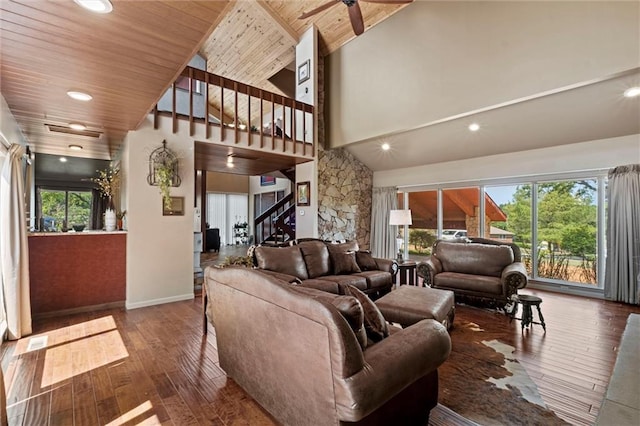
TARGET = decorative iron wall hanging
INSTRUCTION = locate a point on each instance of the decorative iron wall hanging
(163, 167)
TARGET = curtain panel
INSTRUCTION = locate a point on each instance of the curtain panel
(14, 249)
(383, 240)
(622, 276)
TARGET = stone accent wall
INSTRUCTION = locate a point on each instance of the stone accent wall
(344, 197)
(345, 186)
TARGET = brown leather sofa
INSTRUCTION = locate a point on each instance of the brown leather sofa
(475, 270)
(295, 351)
(328, 267)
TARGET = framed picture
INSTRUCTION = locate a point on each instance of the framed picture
(304, 71)
(267, 180)
(303, 193)
(176, 208)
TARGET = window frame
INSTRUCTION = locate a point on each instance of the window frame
(599, 175)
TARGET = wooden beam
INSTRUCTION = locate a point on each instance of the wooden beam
(465, 205)
(215, 111)
(277, 19)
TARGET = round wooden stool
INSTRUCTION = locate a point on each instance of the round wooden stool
(527, 315)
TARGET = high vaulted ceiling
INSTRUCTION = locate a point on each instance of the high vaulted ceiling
(128, 58)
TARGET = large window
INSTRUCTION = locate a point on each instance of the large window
(558, 224)
(60, 209)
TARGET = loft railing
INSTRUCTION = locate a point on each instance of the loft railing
(289, 121)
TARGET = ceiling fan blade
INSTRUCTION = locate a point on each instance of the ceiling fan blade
(389, 1)
(355, 15)
(319, 9)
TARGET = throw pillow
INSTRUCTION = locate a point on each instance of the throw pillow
(348, 306)
(365, 260)
(374, 323)
(345, 263)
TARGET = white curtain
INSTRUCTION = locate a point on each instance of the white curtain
(622, 277)
(224, 211)
(14, 249)
(383, 240)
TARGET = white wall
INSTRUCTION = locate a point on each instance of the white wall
(437, 59)
(9, 130)
(307, 217)
(584, 156)
(159, 248)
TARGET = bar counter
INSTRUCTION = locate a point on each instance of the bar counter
(77, 271)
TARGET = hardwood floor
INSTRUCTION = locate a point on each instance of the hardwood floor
(153, 366)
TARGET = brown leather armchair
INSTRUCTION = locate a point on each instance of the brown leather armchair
(479, 269)
(298, 355)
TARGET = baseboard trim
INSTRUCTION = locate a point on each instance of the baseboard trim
(81, 309)
(595, 293)
(161, 301)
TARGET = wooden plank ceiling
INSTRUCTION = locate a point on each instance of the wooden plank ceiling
(125, 59)
(128, 58)
(257, 39)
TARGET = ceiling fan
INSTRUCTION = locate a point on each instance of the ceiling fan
(355, 14)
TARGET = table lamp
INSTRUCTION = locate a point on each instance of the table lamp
(400, 218)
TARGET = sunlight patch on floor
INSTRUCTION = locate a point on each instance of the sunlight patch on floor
(79, 356)
(130, 415)
(66, 334)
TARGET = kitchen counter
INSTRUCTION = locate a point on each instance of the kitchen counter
(77, 271)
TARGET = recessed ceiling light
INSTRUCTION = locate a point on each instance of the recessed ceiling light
(385, 146)
(75, 147)
(79, 96)
(632, 92)
(474, 127)
(63, 159)
(77, 126)
(97, 6)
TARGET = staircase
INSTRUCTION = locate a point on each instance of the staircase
(278, 223)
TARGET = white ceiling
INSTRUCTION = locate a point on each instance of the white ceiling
(596, 110)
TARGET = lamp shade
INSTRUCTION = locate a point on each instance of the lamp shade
(400, 217)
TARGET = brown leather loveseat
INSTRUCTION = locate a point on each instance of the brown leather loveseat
(298, 353)
(328, 267)
(479, 269)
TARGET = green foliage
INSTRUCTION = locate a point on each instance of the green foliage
(421, 239)
(579, 239)
(164, 176)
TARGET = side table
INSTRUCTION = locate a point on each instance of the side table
(406, 272)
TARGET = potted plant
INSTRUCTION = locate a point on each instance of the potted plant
(119, 219)
(164, 177)
(108, 182)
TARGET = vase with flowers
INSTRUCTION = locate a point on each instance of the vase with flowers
(108, 182)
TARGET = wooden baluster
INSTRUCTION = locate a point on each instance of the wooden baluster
(261, 123)
(190, 101)
(294, 137)
(235, 111)
(284, 126)
(206, 100)
(173, 107)
(273, 124)
(155, 117)
(222, 129)
(249, 132)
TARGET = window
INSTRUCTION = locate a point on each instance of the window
(60, 209)
(558, 224)
(567, 231)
